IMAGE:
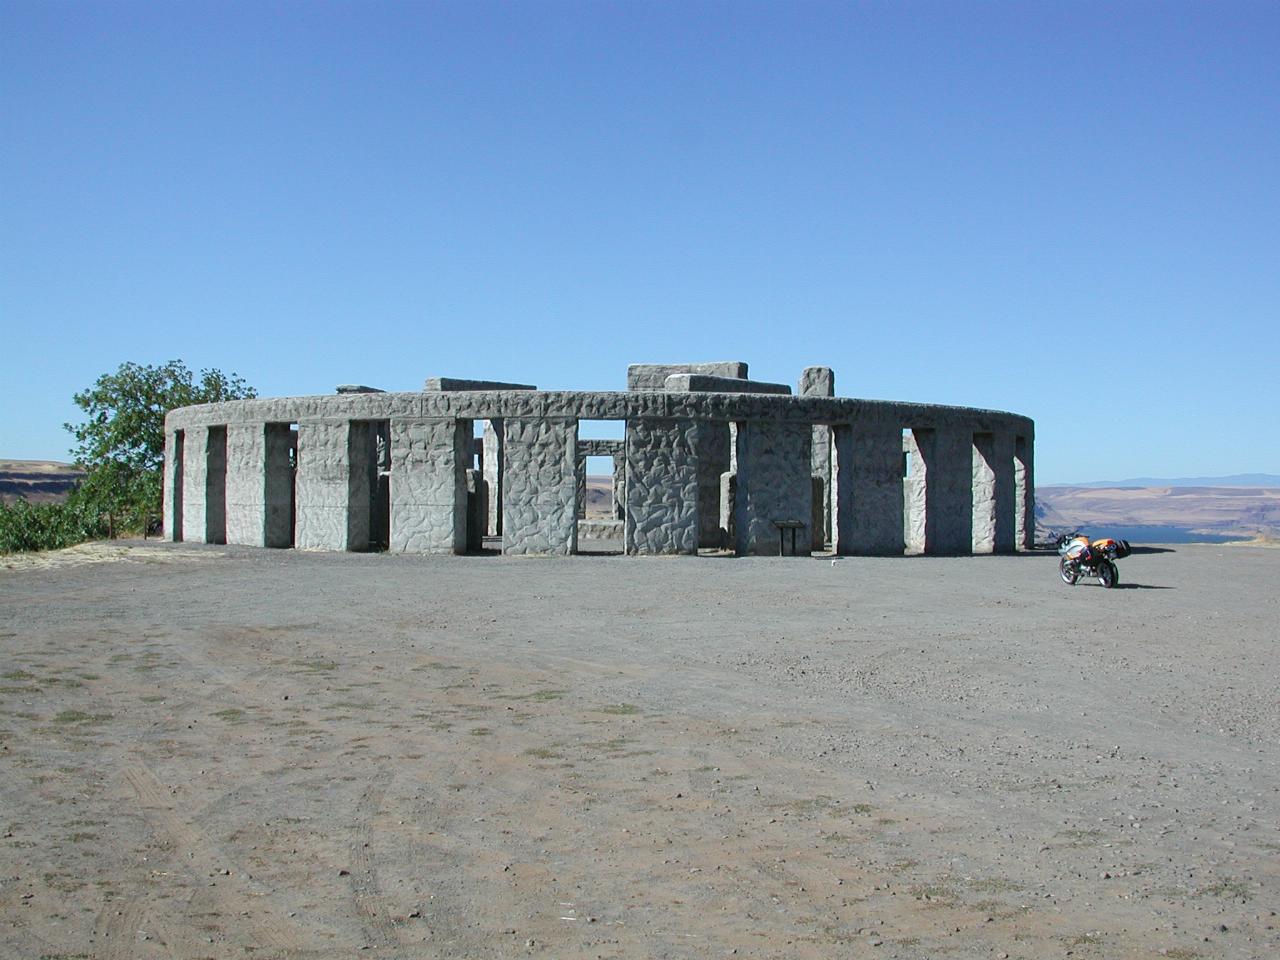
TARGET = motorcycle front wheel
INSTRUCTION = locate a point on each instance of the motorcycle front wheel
(1068, 571)
(1108, 575)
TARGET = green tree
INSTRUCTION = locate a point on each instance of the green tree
(120, 444)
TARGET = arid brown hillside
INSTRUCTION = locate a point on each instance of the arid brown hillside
(1207, 510)
(39, 481)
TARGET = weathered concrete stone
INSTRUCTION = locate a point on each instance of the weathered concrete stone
(539, 514)
(649, 377)
(821, 382)
(355, 388)
(819, 542)
(1024, 494)
(493, 474)
(619, 485)
(712, 447)
(915, 488)
(334, 499)
(259, 484)
(204, 492)
(342, 482)
(429, 460)
(477, 510)
(728, 502)
(867, 474)
(817, 382)
(774, 484)
(601, 530)
(940, 498)
(174, 441)
(246, 484)
(993, 493)
(195, 470)
(701, 383)
(662, 487)
(439, 384)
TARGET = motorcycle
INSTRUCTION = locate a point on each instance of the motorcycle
(1082, 557)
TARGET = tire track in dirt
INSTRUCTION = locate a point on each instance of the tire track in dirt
(235, 892)
(366, 885)
(117, 927)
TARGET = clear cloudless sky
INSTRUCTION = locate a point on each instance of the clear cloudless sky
(1067, 210)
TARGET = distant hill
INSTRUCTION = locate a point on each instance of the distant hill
(1235, 480)
(1162, 513)
(39, 481)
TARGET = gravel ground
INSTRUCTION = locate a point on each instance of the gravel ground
(220, 752)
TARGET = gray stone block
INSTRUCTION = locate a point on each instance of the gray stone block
(993, 493)
(539, 514)
(174, 442)
(429, 460)
(355, 388)
(493, 474)
(774, 485)
(334, 500)
(662, 487)
(341, 488)
(817, 382)
(1024, 494)
(195, 470)
(246, 484)
(649, 377)
(940, 517)
(713, 445)
(728, 498)
(867, 474)
(702, 383)
(442, 384)
(610, 530)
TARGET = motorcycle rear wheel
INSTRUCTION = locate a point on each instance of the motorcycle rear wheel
(1067, 569)
(1108, 575)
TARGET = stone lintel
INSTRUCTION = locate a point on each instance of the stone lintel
(450, 384)
(652, 377)
(705, 383)
(600, 448)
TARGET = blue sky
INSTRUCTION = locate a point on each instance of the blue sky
(1067, 210)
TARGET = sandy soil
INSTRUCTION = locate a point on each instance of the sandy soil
(273, 754)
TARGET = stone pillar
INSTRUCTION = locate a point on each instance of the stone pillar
(711, 443)
(821, 382)
(204, 490)
(259, 484)
(1024, 494)
(429, 460)
(914, 472)
(940, 485)
(493, 474)
(619, 486)
(580, 484)
(477, 510)
(334, 499)
(246, 484)
(819, 507)
(172, 498)
(993, 495)
(662, 486)
(774, 484)
(539, 502)
(728, 497)
(868, 498)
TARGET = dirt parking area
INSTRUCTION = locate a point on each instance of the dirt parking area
(220, 752)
